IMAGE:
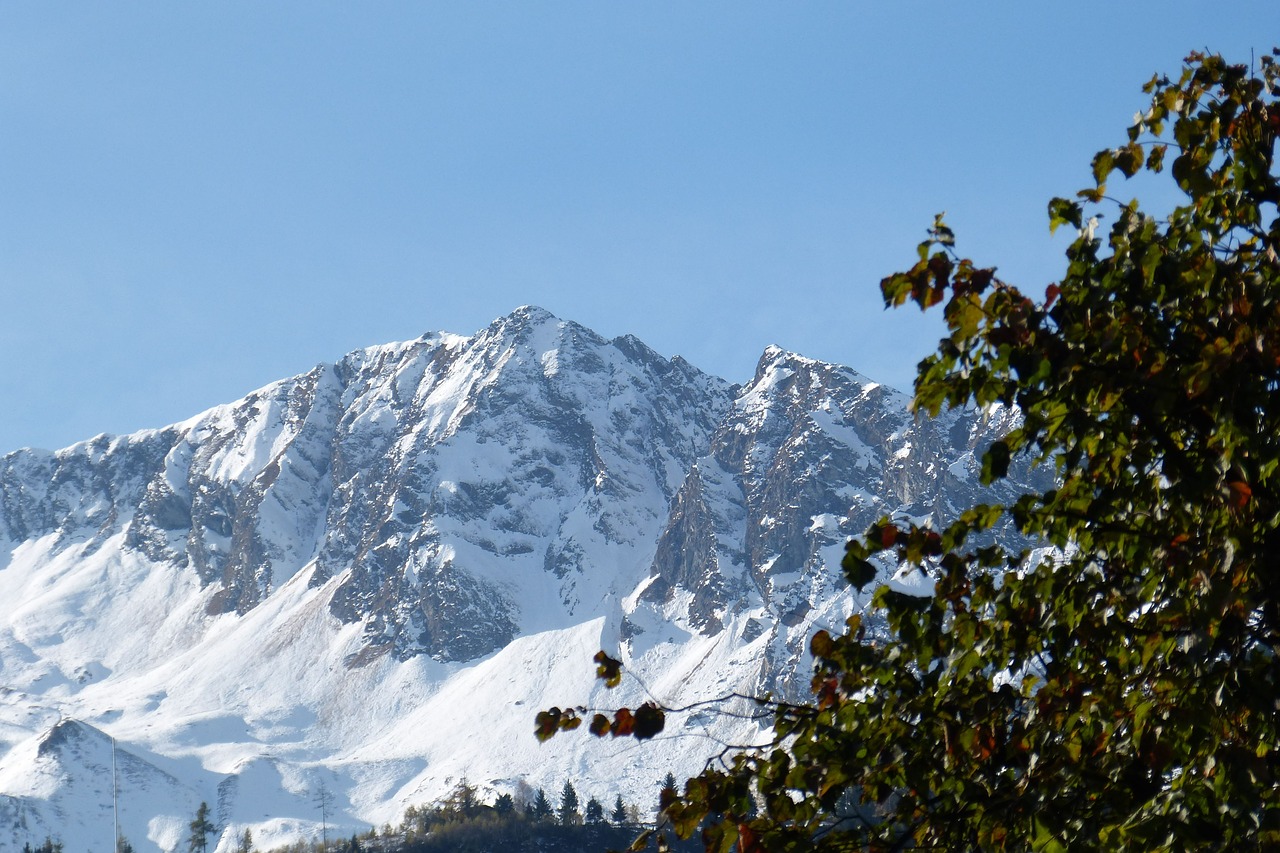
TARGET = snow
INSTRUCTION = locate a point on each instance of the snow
(829, 419)
(460, 456)
(911, 580)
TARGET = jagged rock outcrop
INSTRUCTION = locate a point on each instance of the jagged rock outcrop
(388, 524)
(430, 475)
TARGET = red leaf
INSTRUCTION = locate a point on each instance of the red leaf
(623, 723)
(828, 693)
(932, 543)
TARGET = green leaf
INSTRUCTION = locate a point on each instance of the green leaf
(995, 462)
(1129, 159)
(857, 572)
(1063, 211)
(1103, 162)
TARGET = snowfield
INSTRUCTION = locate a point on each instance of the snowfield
(371, 577)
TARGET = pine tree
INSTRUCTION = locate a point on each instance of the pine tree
(619, 816)
(594, 815)
(668, 792)
(568, 813)
(505, 804)
(246, 842)
(49, 846)
(201, 828)
(540, 808)
(324, 800)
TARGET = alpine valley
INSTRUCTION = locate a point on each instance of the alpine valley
(366, 580)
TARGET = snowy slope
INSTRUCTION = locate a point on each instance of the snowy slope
(370, 577)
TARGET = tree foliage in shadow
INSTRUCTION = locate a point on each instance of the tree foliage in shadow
(1118, 687)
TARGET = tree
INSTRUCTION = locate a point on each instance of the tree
(245, 844)
(323, 799)
(200, 830)
(123, 845)
(540, 808)
(505, 804)
(1117, 686)
(463, 799)
(667, 791)
(568, 812)
(619, 814)
(594, 813)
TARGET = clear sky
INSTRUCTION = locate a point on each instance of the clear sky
(200, 198)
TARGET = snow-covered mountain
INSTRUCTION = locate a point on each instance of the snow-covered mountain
(369, 578)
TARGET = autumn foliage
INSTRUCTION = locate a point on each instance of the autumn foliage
(1116, 687)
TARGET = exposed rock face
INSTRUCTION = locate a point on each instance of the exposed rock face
(428, 474)
(448, 496)
(535, 443)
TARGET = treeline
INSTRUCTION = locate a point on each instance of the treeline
(527, 821)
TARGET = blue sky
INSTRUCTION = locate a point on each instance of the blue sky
(198, 199)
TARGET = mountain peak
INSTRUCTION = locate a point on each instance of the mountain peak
(776, 363)
(441, 523)
(526, 317)
(533, 314)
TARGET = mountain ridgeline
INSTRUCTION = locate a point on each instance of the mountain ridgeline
(336, 549)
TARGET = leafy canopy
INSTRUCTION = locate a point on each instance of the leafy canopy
(1118, 688)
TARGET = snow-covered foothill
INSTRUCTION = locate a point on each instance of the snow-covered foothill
(370, 577)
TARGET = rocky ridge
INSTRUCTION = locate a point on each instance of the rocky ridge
(369, 536)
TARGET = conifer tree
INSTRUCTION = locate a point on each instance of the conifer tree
(667, 791)
(540, 808)
(594, 813)
(568, 813)
(324, 800)
(619, 815)
(201, 828)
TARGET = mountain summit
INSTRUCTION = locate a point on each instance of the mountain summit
(371, 576)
